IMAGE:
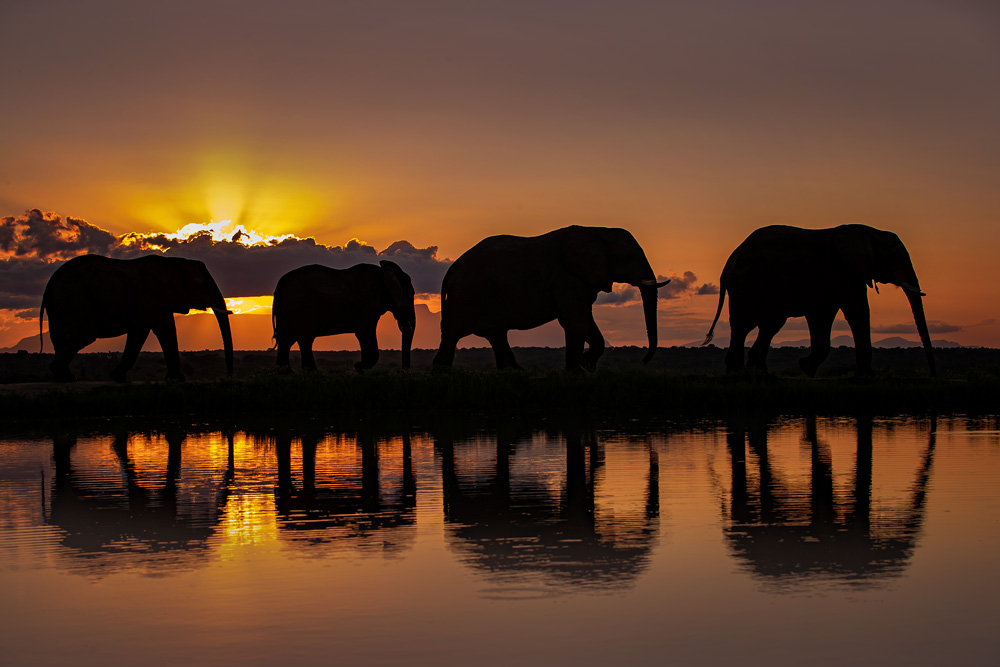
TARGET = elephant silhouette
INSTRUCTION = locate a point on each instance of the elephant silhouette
(315, 300)
(780, 272)
(516, 282)
(91, 297)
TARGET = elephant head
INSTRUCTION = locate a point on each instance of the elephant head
(603, 256)
(184, 285)
(874, 256)
(400, 290)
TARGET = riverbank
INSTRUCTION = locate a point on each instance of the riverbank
(637, 391)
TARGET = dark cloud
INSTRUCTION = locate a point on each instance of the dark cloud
(46, 236)
(620, 295)
(254, 270)
(678, 287)
(33, 245)
(22, 281)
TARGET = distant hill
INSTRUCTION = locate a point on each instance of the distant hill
(843, 341)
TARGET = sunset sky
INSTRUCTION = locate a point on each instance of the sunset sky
(341, 132)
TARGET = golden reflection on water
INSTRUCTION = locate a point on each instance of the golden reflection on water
(249, 520)
(248, 517)
(335, 539)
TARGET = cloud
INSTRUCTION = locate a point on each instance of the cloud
(681, 286)
(254, 270)
(45, 235)
(620, 295)
(243, 263)
(22, 281)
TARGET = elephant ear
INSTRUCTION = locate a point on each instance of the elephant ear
(587, 260)
(855, 248)
(390, 275)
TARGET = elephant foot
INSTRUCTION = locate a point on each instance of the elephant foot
(118, 375)
(176, 377)
(361, 367)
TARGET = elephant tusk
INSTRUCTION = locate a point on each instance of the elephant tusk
(911, 289)
(649, 282)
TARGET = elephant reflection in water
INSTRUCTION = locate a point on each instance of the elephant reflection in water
(350, 508)
(126, 525)
(777, 532)
(510, 529)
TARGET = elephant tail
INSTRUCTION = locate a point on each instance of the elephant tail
(722, 299)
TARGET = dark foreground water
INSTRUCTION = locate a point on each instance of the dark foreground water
(792, 542)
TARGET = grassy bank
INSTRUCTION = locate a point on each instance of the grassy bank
(626, 391)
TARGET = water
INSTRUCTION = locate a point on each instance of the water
(798, 541)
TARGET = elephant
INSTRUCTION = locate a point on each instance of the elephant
(781, 271)
(316, 300)
(92, 296)
(515, 282)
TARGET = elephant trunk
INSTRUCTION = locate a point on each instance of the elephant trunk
(917, 306)
(222, 315)
(649, 299)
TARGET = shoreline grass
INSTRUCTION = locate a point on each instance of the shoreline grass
(638, 392)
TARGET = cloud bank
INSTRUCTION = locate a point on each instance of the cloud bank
(33, 245)
(681, 286)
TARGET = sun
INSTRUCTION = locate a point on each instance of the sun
(226, 231)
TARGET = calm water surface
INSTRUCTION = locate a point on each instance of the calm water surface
(798, 541)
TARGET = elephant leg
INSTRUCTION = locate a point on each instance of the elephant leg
(858, 316)
(166, 332)
(757, 357)
(446, 351)
(501, 349)
(284, 346)
(738, 331)
(820, 326)
(369, 349)
(576, 326)
(64, 353)
(595, 346)
(306, 350)
(134, 341)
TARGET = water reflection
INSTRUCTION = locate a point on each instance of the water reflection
(782, 528)
(271, 544)
(123, 517)
(351, 499)
(530, 512)
(535, 528)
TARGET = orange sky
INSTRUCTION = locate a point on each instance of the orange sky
(440, 123)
